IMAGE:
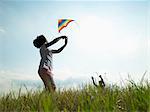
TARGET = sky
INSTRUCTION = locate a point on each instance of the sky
(110, 38)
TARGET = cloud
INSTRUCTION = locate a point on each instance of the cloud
(64, 79)
(2, 30)
(7, 78)
(66, 72)
(103, 37)
(11, 75)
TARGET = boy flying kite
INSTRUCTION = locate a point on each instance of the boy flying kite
(45, 67)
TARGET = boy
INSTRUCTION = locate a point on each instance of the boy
(45, 67)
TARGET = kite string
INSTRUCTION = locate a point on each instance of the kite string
(78, 27)
(77, 24)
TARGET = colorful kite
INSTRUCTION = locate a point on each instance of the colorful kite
(63, 23)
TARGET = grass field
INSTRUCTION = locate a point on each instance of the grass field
(133, 97)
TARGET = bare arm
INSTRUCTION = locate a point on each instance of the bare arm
(60, 49)
(102, 81)
(94, 82)
(54, 41)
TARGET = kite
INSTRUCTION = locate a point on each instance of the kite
(63, 23)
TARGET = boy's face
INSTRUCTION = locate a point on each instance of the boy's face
(46, 41)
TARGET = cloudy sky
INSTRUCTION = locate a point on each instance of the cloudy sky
(110, 38)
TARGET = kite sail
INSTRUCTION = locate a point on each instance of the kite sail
(63, 23)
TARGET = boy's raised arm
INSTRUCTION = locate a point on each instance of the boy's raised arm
(54, 41)
(94, 82)
(60, 49)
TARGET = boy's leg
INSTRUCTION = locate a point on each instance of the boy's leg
(52, 82)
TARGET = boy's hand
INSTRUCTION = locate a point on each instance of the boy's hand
(92, 78)
(66, 40)
(63, 37)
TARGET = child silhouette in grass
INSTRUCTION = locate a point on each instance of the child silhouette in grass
(101, 82)
(45, 67)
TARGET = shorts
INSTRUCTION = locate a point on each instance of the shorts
(47, 78)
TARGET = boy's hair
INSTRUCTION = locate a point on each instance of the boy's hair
(39, 41)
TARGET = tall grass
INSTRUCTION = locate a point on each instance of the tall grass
(133, 97)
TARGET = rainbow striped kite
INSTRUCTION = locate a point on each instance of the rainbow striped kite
(63, 23)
